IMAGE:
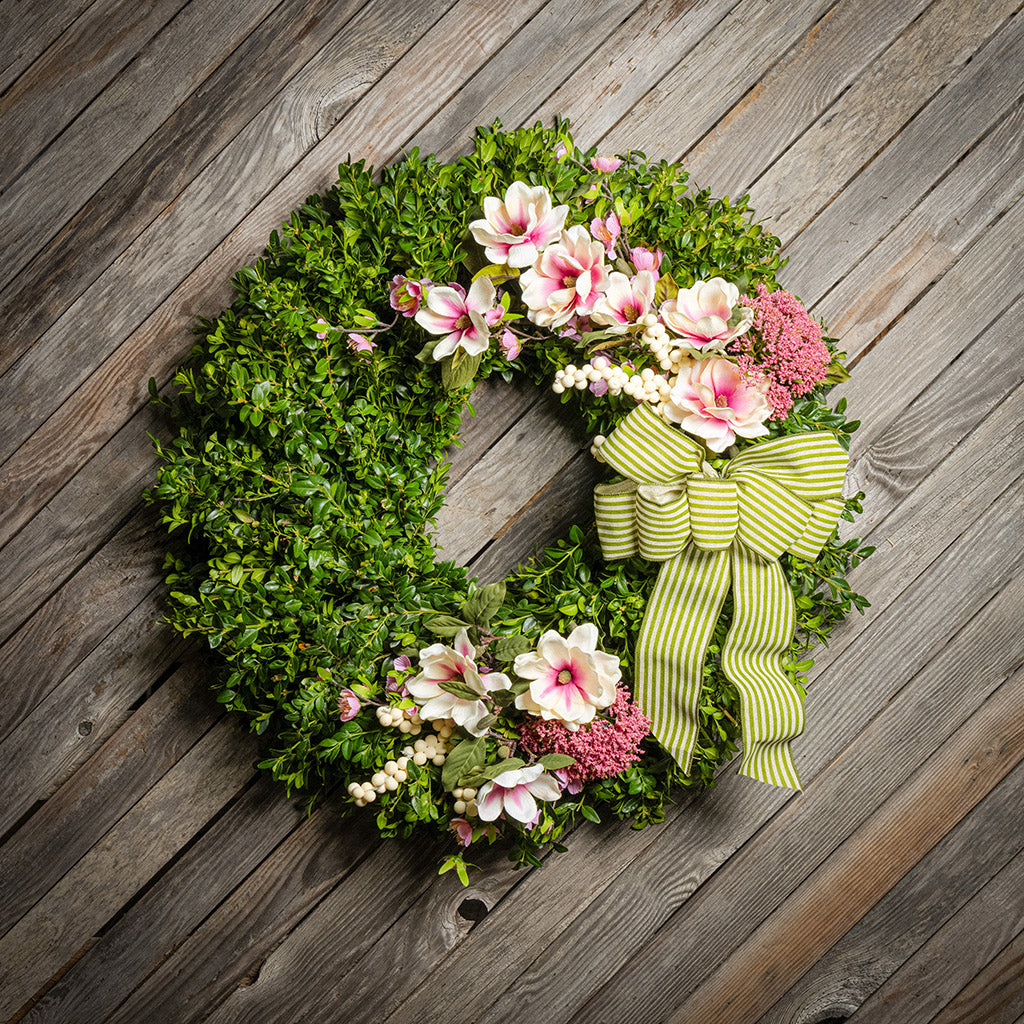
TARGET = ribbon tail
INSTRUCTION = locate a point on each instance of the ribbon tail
(680, 618)
(771, 709)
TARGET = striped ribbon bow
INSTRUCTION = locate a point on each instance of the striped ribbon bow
(711, 530)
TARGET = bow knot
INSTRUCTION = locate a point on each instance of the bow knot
(712, 530)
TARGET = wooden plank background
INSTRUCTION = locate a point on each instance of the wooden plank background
(149, 874)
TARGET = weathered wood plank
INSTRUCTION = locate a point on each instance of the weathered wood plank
(28, 28)
(964, 947)
(174, 905)
(71, 73)
(77, 618)
(875, 111)
(888, 280)
(793, 94)
(874, 859)
(118, 775)
(128, 856)
(259, 68)
(511, 473)
(801, 835)
(129, 110)
(945, 880)
(81, 713)
(230, 947)
(36, 559)
(996, 995)
(885, 191)
(747, 42)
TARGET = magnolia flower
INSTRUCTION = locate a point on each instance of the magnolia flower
(606, 231)
(569, 677)
(465, 320)
(711, 400)
(700, 315)
(348, 705)
(625, 302)
(516, 793)
(644, 259)
(566, 280)
(516, 230)
(442, 664)
(605, 164)
(406, 295)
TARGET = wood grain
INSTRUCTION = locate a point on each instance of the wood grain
(944, 881)
(28, 28)
(71, 74)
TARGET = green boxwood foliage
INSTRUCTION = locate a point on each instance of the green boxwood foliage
(304, 477)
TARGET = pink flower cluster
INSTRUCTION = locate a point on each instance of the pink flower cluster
(602, 748)
(783, 349)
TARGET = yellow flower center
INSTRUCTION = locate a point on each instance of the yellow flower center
(565, 676)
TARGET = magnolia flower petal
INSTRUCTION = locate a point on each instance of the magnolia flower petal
(545, 788)
(489, 801)
(584, 638)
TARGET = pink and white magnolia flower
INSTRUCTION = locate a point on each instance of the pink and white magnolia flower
(566, 280)
(570, 679)
(516, 230)
(605, 164)
(440, 663)
(625, 301)
(700, 315)
(712, 401)
(644, 259)
(465, 320)
(606, 231)
(516, 793)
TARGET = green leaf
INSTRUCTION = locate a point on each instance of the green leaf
(457, 689)
(590, 814)
(510, 764)
(465, 757)
(426, 354)
(445, 625)
(458, 369)
(507, 648)
(666, 288)
(484, 604)
(552, 762)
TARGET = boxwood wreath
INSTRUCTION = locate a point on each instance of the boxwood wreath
(312, 421)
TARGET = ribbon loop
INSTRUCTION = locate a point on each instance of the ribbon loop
(711, 533)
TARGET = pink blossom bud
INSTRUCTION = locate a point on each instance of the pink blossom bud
(605, 164)
(321, 334)
(510, 345)
(599, 388)
(606, 230)
(644, 259)
(360, 343)
(406, 295)
(463, 830)
(348, 705)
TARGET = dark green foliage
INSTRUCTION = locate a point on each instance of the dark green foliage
(305, 476)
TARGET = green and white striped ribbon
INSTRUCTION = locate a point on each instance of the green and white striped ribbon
(712, 531)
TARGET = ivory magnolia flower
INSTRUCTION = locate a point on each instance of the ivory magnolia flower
(465, 320)
(516, 230)
(566, 280)
(625, 301)
(442, 664)
(569, 677)
(711, 400)
(700, 315)
(516, 793)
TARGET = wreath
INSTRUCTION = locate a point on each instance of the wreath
(308, 465)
